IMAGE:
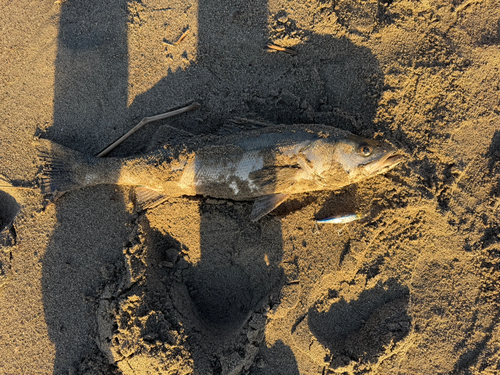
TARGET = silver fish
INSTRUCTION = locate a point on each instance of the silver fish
(342, 219)
(266, 165)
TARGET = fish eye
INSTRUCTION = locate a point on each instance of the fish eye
(365, 150)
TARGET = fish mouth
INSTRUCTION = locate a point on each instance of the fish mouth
(384, 164)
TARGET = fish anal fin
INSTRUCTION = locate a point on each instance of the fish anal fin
(265, 204)
(149, 198)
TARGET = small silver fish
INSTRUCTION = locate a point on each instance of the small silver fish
(342, 219)
(266, 165)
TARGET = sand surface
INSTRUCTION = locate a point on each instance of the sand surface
(92, 287)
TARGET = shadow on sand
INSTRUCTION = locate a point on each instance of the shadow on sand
(224, 295)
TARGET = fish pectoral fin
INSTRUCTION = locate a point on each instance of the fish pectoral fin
(265, 204)
(281, 176)
(149, 198)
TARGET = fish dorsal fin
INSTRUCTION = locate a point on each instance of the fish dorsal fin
(265, 204)
(240, 124)
(167, 134)
(149, 198)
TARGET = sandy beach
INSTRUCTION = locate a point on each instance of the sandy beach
(88, 285)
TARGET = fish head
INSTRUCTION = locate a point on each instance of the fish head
(362, 158)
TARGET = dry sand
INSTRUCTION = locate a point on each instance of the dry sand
(192, 286)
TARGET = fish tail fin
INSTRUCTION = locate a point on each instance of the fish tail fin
(60, 167)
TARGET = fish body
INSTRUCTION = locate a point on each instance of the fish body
(342, 219)
(265, 165)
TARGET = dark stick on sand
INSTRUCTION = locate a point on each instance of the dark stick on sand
(143, 122)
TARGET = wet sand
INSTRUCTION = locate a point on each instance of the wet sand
(90, 286)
